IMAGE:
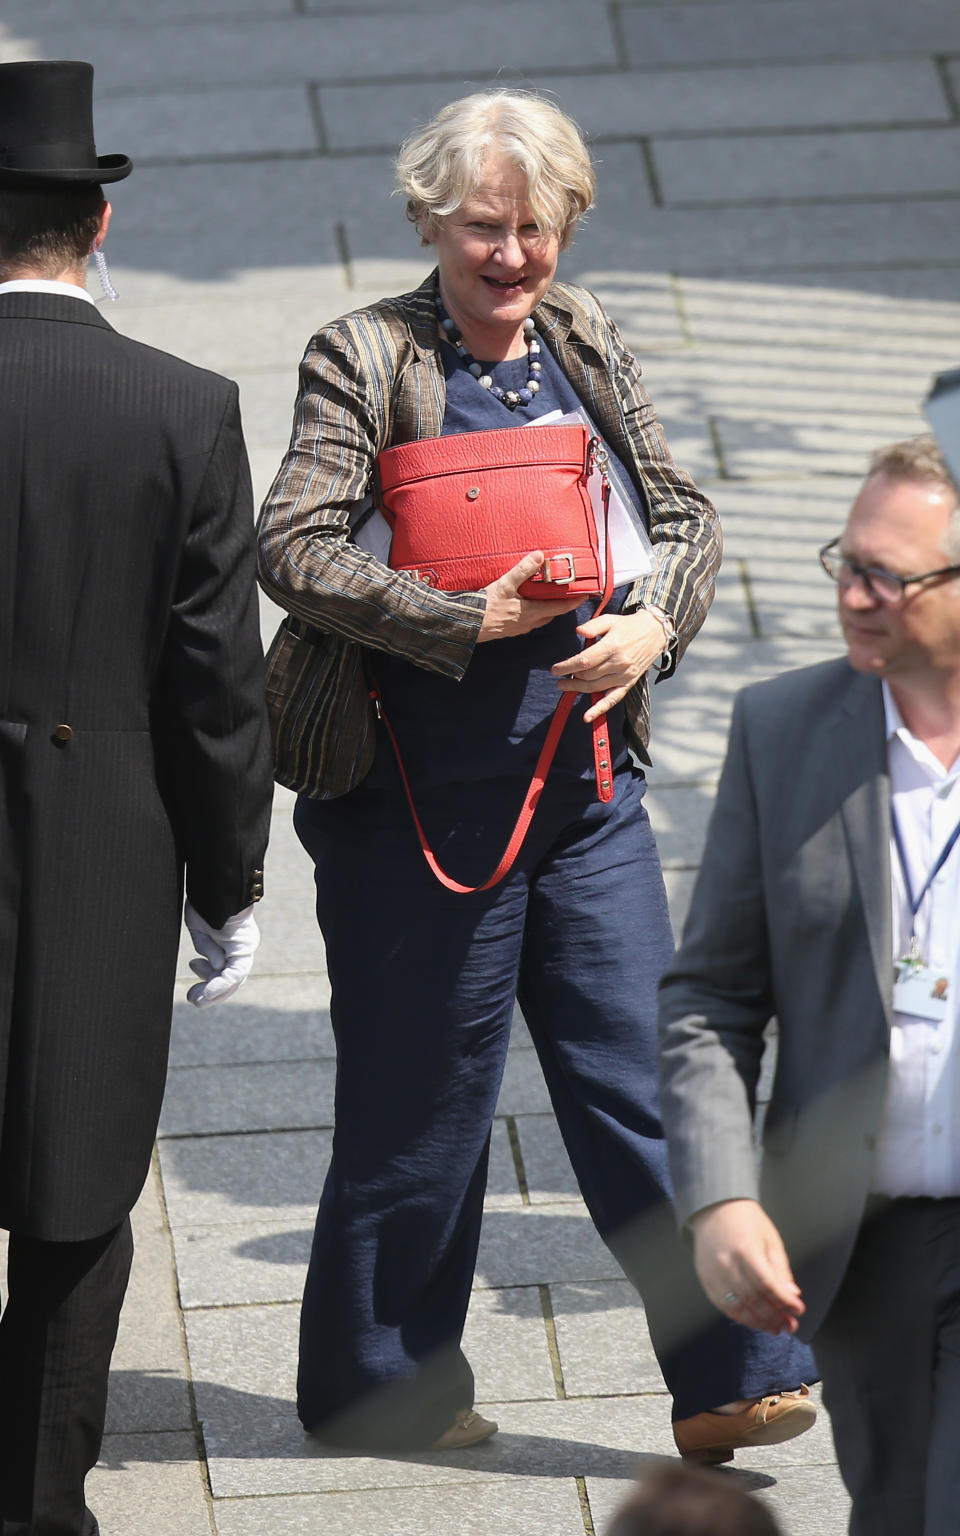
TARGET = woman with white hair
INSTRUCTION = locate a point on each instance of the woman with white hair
(426, 956)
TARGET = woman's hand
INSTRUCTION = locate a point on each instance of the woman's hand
(623, 646)
(507, 613)
(743, 1266)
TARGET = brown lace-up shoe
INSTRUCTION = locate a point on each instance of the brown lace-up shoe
(713, 1437)
(468, 1428)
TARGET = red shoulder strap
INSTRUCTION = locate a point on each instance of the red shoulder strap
(601, 755)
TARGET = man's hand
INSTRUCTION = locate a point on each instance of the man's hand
(624, 646)
(226, 955)
(743, 1266)
(507, 613)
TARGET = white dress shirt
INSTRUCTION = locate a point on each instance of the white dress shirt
(46, 285)
(918, 1151)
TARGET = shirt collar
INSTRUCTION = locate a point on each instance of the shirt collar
(896, 731)
(46, 285)
(893, 720)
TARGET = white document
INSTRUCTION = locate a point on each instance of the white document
(370, 530)
(630, 545)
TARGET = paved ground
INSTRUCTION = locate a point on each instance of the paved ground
(777, 231)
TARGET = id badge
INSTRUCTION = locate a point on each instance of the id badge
(920, 990)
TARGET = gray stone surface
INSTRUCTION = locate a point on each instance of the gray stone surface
(149, 1387)
(273, 1018)
(240, 1263)
(630, 104)
(523, 1090)
(679, 34)
(734, 242)
(523, 1506)
(295, 48)
(233, 1179)
(505, 1340)
(604, 1341)
(276, 1096)
(268, 1453)
(549, 1175)
(151, 1483)
(679, 818)
(541, 1244)
(236, 123)
(808, 166)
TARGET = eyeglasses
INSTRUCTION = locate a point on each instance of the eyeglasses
(884, 586)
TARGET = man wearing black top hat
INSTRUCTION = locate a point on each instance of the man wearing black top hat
(133, 752)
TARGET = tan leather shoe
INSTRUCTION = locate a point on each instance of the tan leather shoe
(469, 1428)
(713, 1437)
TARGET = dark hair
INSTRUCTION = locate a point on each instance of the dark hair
(51, 227)
(691, 1501)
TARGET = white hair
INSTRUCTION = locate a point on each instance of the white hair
(441, 164)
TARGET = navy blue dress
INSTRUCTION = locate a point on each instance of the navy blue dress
(423, 984)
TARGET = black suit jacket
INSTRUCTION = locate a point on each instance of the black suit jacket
(132, 738)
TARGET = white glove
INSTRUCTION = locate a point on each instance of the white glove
(226, 955)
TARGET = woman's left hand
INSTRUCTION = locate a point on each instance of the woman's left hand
(623, 646)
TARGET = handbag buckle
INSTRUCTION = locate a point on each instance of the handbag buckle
(546, 572)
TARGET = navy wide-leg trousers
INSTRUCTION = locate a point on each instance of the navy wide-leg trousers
(423, 986)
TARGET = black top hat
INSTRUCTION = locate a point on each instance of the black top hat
(46, 126)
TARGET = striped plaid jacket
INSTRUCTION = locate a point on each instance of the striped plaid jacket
(372, 379)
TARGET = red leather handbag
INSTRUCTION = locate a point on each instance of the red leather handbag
(464, 509)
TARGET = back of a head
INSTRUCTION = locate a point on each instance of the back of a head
(691, 1501)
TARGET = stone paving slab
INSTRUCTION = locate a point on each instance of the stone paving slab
(523, 1090)
(150, 1483)
(239, 1264)
(820, 236)
(237, 1179)
(542, 1244)
(257, 1026)
(609, 1437)
(40, 16)
(240, 122)
(628, 104)
(261, 1097)
(603, 1340)
(679, 817)
(705, 692)
(679, 34)
(227, 1264)
(505, 1339)
(679, 884)
(549, 1176)
(894, 311)
(172, 217)
(232, 1180)
(293, 48)
(520, 1506)
(240, 337)
(814, 166)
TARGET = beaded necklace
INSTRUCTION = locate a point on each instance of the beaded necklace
(511, 398)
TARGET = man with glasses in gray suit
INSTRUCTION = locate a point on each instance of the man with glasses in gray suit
(829, 897)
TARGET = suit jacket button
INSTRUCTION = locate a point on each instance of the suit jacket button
(62, 733)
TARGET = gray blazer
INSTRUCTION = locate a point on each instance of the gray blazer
(790, 917)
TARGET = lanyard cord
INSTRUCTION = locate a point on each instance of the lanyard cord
(945, 853)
